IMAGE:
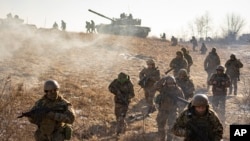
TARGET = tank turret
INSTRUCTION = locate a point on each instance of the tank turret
(125, 25)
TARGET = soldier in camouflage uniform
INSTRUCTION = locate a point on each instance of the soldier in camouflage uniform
(167, 105)
(178, 63)
(174, 41)
(123, 90)
(53, 126)
(198, 122)
(148, 76)
(188, 58)
(194, 42)
(203, 48)
(186, 84)
(210, 63)
(233, 66)
(220, 82)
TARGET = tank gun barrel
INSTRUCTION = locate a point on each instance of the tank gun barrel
(100, 15)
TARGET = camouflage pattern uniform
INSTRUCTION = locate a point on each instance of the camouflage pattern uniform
(53, 126)
(204, 127)
(233, 66)
(167, 105)
(178, 63)
(123, 90)
(152, 74)
(186, 84)
(220, 82)
(188, 58)
(174, 41)
(194, 42)
(203, 49)
(210, 63)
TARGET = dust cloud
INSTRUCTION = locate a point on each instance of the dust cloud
(27, 54)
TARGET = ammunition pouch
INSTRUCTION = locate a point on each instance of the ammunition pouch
(68, 131)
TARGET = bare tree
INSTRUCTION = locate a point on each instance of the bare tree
(202, 25)
(207, 21)
(234, 24)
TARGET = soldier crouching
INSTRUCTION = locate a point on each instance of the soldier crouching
(123, 90)
(53, 125)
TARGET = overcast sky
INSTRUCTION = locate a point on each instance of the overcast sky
(170, 16)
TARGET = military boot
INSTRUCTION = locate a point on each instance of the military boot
(230, 90)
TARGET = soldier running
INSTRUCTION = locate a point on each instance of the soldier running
(167, 104)
(210, 64)
(220, 82)
(123, 90)
(179, 62)
(183, 80)
(233, 66)
(148, 76)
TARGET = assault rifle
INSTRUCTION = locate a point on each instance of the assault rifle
(144, 80)
(122, 97)
(169, 70)
(39, 113)
(196, 132)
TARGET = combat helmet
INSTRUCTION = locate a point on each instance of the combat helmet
(150, 62)
(170, 80)
(184, 49)
(213, 50)
(183, 72)
(122, 77)
(232, 56)
(220, 67)
(199, 100)
(51, 85)
(179, 53)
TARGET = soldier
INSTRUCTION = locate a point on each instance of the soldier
(188, 58)
(92, 25)
(63, 25)
(198, 122)
(186, 84)
(210, 63)
(54, 125)
(55, 25)
(88, 26)
(233, 66)
(203, 48)
(163, 36)
(167, 105)
(194, 42)
(220, 82)
(174, 41)
(148, 76)
(178, 63)
(123, 90)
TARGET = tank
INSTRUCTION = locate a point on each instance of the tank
(125, 25)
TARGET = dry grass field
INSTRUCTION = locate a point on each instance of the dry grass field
(84, 65)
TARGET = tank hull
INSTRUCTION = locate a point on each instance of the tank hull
(125, 30)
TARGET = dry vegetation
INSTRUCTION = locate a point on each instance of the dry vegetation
(84, 65)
